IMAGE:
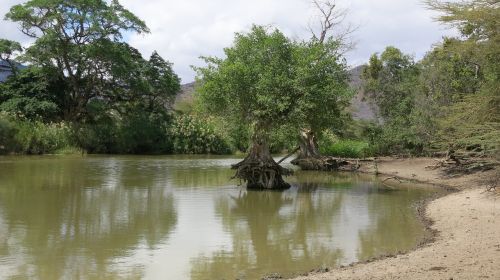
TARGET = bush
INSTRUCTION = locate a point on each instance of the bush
(191, 135)
(142, 133)
(98, 138)
(34, 137)
(348, 149)
(7, 135)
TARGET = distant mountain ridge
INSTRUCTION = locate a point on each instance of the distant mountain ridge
(361, 107)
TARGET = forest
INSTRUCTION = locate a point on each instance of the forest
(81, 88)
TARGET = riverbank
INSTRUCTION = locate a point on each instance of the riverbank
(467, 244)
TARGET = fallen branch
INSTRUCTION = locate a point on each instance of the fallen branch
(289, 155)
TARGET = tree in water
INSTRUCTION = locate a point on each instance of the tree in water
(323, 84)
(269, 82)
(325, 81)
(254, 84)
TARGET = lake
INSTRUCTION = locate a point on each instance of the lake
(182, 217)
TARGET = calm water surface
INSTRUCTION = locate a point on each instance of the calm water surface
(183, 218)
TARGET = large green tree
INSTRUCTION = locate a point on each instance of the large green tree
(472, 116)
(268, 81)
(322, 82)
(391, 79)
(254, 84)
(81, 39)
(324, 79)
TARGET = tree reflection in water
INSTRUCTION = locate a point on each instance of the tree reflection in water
(285, 232)
(154, 217)
(73, 220)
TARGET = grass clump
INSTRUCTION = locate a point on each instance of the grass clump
(348, 149)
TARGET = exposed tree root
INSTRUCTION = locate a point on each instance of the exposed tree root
(456, 164)
(259, 170)
(262, 174)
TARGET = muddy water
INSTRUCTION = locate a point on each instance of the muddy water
(183, 218)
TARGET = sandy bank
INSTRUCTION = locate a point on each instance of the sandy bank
(468, 223)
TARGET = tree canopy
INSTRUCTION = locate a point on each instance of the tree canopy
(81, 41)
(269, 81)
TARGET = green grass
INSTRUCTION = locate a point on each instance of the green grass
(348, 149)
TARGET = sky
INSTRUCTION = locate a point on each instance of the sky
(184, 30)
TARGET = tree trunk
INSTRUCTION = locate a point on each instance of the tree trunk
(259, 169)
(308, 144)
(309, 157)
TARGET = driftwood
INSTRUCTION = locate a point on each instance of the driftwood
(327, 163)
(461, 163)
(289, 155)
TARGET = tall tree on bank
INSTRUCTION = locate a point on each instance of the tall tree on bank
(391, 79)
(327, 82)
(81, 41)
(473, 118)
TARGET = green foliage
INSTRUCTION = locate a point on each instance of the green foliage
(33, 137)
(7, 134)
(392, 81)
(81, 41)
(332, 146)
(322, 84)
(33, 94)
(145, 133)
(254, 83)
(82, 74)
(282, 140)
(40, 138)
(469, 77)
(191, 135)
(138, 131)
(267, 82)
(8, 49)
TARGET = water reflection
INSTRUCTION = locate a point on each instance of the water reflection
(392, 227)
(182, 217)
(72, 220)
(286, 232)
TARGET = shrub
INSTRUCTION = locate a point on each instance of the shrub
(191, 135)
(344, 148)
(7, 134)
(142, 133)
(34, 137)
(98, 138)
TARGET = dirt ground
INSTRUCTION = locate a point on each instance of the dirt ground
(467, 245)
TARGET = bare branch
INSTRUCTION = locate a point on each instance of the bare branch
(331, 22)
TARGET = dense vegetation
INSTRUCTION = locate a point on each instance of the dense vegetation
(448, 100)
(86, 90)
(268, 82)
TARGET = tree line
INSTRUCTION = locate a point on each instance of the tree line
(86, 89)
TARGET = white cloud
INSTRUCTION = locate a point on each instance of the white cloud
(181, 31)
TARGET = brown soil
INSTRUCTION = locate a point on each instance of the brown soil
(467, 226)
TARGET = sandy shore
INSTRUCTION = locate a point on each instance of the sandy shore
(467, 245)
